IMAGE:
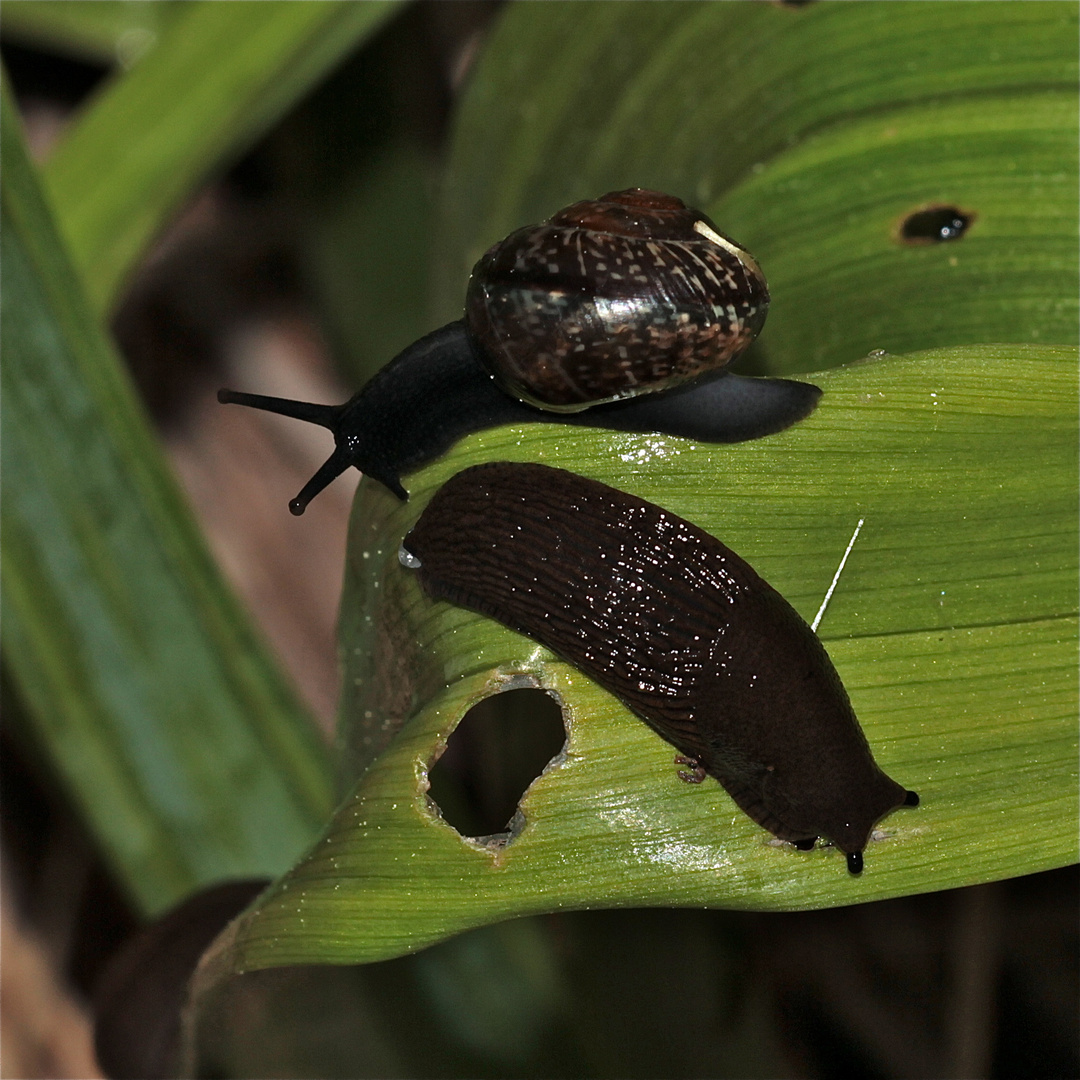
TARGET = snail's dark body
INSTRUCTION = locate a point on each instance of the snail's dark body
(387, 434)
(619, 313)
(673, 623)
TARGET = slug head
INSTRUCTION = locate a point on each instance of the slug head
(786, 742)
(855, 858)
(839, 801)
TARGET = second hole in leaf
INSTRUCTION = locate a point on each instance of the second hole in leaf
(500, 747)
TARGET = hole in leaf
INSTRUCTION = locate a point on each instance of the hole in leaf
(499, 748)
(935, 225)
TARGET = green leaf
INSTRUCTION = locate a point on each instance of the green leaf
(954, 628)
(219, 76)
(807, 133)
(835, 204)
(170, 726)
(105, 32)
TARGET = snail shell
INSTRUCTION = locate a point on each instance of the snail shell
(673, 623)
(630, 293)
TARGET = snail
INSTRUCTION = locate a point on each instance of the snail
(619, 313)
(674, 624)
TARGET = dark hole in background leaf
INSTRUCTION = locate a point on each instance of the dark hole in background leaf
(500, 747)
(935, 225)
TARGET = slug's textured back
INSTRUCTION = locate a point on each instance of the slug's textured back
(675, 624)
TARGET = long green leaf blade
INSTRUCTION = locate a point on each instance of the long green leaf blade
(954, 627)
(807, 133)
(836, 202)
(168, 723)
(219, 76)
(105, 32)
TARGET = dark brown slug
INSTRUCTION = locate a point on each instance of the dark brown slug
(675, 625)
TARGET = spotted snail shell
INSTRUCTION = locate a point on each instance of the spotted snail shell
(630, 293)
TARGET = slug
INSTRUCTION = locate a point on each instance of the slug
(674, 624)
(621, 312)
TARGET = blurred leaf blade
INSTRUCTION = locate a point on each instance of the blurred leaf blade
(954, 629)
(171, 727)
(219, 76)
(726, 105)
(837, 201)
(104, 32)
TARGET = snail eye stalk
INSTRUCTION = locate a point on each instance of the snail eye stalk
(327, 416)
